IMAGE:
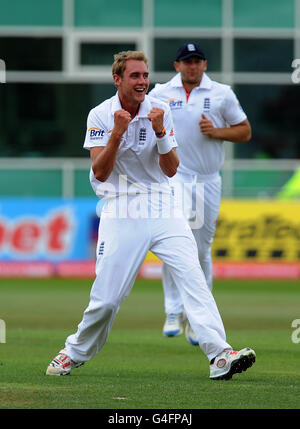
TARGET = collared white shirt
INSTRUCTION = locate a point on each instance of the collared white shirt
(137, 157)
(197, 153)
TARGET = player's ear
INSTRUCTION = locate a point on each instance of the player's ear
(176, 66)
(117, 80)
(205, 65)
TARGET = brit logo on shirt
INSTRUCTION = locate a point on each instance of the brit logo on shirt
(174, 104)
(142, 136)
(206, 104)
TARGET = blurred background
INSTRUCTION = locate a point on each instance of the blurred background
(58, 56)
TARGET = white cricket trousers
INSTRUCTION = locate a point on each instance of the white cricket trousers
(209, 197)
(122, 247)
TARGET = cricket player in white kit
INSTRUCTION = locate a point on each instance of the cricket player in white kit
(133, 152)
(205, 113)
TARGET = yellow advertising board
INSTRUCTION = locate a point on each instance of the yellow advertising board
(256, 230)
(254, 239)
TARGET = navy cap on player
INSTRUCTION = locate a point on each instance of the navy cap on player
(189, 50)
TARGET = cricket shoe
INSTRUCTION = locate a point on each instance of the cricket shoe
(62, 364)
(174, 324)
(190, 335)
(230, 362)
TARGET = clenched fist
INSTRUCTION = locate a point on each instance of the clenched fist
(156, 116)
(122, 119)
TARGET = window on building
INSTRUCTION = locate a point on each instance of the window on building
(273, 111)
(31, 53)
(263, 55)
(102, 54)
(47, 119)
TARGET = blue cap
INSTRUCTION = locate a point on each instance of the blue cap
(189, 50)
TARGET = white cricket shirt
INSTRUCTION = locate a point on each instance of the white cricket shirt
(197, 153)
(137, 157)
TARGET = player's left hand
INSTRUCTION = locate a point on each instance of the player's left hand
(206, 127)
(156, 116)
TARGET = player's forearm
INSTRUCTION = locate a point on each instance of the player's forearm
(236, 134)
(104, 162)
(169, 163)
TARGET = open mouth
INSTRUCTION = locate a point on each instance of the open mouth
(140, 90)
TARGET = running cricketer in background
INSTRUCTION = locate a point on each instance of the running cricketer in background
(205, 113)
(133, 152)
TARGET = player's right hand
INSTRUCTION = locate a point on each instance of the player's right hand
(122, 119)
(206, 127)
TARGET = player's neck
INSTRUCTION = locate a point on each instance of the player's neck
(188, 86)
(132, 108)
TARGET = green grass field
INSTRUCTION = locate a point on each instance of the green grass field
(138, 368)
